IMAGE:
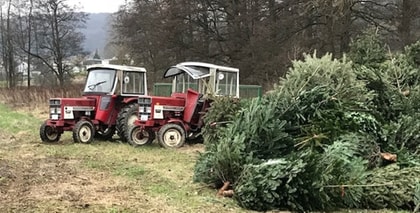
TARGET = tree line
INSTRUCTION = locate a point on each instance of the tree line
(260, 37)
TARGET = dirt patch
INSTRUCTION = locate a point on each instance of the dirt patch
(39, 182)
(5, 137)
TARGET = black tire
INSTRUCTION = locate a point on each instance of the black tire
(49, 134)
(198, 139)
(125, 119)
(138, 137)
(171, 136)
(106, 134)
(83, 132)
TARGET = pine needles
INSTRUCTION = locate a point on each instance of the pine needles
(317, 141)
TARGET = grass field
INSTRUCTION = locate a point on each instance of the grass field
(105, 176)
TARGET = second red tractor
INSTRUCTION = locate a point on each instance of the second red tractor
(177, 118)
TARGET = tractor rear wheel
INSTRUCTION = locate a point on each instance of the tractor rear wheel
(125, 119)
(137, 136)
(83, 132)
(171, 136)
(48, 133)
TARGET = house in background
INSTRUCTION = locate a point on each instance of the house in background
(96, 59)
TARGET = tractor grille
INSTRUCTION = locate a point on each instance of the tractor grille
(145, 108)
(55, 109)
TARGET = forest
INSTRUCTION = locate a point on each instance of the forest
(260, 37)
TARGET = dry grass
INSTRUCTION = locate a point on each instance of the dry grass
(36, 96)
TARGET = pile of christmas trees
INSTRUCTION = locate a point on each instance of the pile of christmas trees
(334, 133)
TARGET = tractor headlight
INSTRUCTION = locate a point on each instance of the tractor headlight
(149, 109)
(55, 110)
(143, 100)
(141, 109)
(54, 101)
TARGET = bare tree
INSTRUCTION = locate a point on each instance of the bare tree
(8, 51)
(57, 35)
(22, 37)
(29, 36)
(142, 35)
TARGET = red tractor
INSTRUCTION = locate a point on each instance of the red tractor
(109, 105)
(179, 117)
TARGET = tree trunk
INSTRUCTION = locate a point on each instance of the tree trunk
(3, 40)
(345, 24)
(408, 11)
(29, 43)
(10, 59)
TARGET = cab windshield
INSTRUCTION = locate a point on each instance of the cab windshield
(100, 80)
(183, 82)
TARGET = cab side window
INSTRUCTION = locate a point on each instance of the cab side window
(133, 83)
(226, 83)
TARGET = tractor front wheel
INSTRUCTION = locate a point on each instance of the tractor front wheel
(171, 136)
(125, 119)
(48, 133)
(137, 136)
(83, 132)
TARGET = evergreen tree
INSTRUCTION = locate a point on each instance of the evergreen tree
(310, 144)
(96, 55)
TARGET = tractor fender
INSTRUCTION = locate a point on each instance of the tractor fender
(55, 123)
(93, 121)
(181, 123)
(129, 100)
(122, 101)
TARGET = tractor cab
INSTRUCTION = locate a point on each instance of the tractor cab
(204, 78)
(179, 117)
(107, 79)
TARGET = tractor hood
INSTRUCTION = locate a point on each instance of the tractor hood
(77, 103)
(65, 108)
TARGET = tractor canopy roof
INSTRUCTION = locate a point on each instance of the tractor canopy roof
(196, 70)
(116, 67)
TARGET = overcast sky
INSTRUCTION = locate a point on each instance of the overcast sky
(98, 6)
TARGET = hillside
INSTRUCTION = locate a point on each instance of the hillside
(97, 32)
